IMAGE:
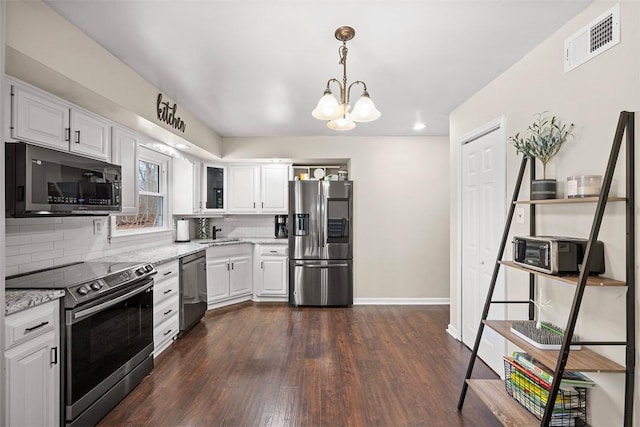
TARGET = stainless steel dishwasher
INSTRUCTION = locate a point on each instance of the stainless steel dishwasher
(193, 290)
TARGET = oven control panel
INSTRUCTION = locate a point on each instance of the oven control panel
(87, 291)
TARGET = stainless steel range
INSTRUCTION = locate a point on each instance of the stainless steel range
(107, 338)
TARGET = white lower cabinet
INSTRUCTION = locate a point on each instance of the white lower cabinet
(32, 366)
(229, 274)
(271, 273)
(166, 306)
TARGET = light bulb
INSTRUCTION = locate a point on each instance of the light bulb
(365, 110)
(328, 107)
(341, 123)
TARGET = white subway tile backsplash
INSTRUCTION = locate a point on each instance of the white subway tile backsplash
(50, 255)
(18, 239)
(47, 237)
(17, 260)
(36, 247)
(36, 243)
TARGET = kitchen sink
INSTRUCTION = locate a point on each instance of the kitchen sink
(221, 240)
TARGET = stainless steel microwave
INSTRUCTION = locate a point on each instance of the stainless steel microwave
(557, 255)
(40, 181)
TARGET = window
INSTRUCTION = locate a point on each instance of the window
(152, 194)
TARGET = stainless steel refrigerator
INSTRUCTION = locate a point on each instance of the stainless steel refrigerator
(320, 243)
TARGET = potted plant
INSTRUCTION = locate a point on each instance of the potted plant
(543, 140)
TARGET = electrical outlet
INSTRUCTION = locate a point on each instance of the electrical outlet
(97, 227)
(519, 215)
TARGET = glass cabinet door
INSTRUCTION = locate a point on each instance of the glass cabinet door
(214, 191)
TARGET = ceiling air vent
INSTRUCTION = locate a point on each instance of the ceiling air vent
(601, 34)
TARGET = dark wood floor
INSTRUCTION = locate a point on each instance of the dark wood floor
(270, 365)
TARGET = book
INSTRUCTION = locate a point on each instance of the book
(569, 378)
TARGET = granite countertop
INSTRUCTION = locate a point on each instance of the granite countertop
(176, 250)
(18, 300)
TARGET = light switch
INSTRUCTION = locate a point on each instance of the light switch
(97, 227)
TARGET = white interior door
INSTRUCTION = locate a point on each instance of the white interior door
(483, 205)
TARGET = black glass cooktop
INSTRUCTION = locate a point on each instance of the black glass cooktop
(67, 276)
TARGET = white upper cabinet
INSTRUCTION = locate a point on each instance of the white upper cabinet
(89, 135)
(274, 189)
(43, 119)
(124, 152)
(258, 188)
(39, 119)
(182, 184)
(243, 188)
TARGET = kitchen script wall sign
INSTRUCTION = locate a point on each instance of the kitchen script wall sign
(167, 114)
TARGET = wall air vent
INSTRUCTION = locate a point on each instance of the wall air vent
(600, 35)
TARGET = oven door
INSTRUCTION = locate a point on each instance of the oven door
(105, 340)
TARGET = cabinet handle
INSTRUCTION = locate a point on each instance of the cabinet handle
(33, 328)
(274, 252)
(167, 333)
(227, 266)
(167, 273)
(232, 266)
(167, 312)
(68, 134)
(254, 205)
(77, 137)
(263, 205)
(262, 265)
(167, 291)
(54, 355)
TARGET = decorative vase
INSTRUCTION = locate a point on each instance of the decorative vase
(543, 189)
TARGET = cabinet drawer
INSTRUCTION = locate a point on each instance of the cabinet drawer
(274, 250)
(166, 330)
(30, 323)
(165, 290)
(166, 271)
(165, 310)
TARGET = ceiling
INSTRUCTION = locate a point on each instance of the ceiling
(258, 67)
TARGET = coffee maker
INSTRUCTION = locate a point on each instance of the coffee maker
(281, 226)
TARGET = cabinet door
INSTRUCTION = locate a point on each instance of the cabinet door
(124, 152)
(32, 382)
(241, 276)
(274, 188)
(274, 275)
(214, 183)
(182, 184)
(217, 279)
(89, 135)
(40, 119)
(243, 189)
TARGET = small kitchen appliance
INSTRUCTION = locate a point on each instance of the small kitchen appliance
(107, 332)
(281, 226)
(182, 230)
(557, 255)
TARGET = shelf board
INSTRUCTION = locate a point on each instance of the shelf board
(567, 200)
(583, 360)
(506, 409)
(571, 279)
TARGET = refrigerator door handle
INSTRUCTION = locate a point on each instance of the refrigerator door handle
(322, 265)
(318, 216)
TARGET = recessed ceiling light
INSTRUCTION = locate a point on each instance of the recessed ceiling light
(418, 126)
(182, 146)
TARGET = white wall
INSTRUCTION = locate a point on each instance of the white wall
(401, 211)
(47, 51)
(592, 97)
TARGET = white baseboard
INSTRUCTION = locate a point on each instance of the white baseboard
(401, 301)
(453, 331)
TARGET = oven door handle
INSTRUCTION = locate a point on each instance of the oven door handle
(88, 311)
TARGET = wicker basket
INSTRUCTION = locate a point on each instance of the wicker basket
(570, 408)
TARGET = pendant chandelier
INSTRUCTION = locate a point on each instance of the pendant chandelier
(339, 114)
